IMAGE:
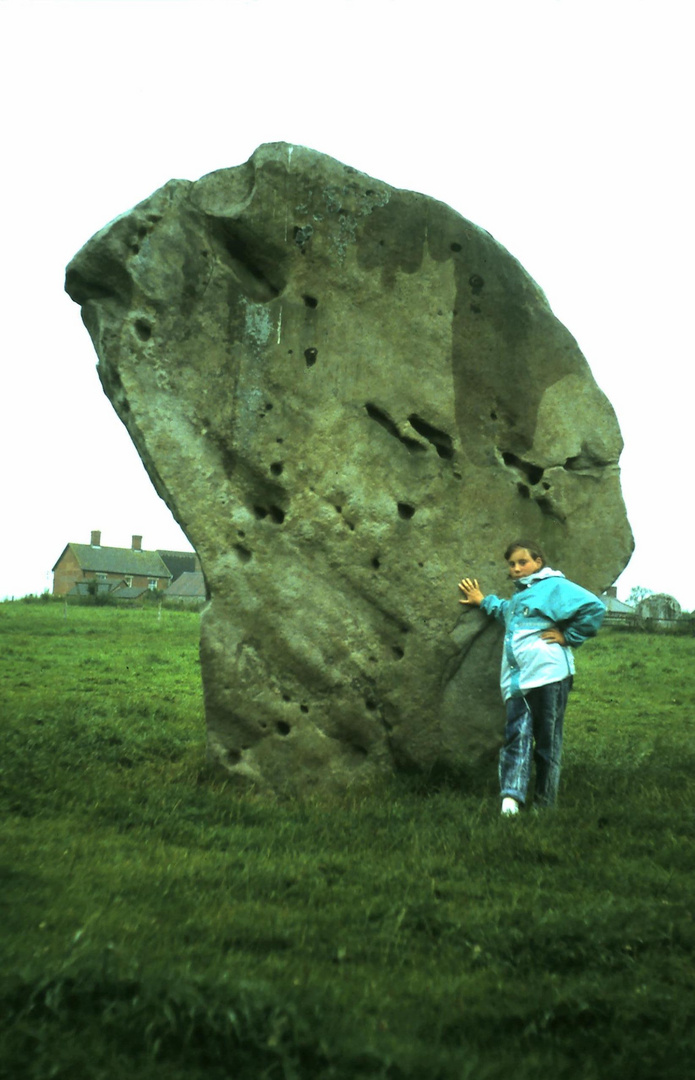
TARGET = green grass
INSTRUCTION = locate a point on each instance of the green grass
(156, 924)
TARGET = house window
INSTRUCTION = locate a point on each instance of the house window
(101, 577)
(152, 583)
(128, 579)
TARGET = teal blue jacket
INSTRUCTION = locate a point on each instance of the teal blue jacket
(542, 600)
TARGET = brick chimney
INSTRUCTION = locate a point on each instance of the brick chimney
(137, 543)
(96, 538)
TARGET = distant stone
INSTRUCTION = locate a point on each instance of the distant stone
(349, 396)
(659, 608)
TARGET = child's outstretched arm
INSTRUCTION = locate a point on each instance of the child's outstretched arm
(472, 593)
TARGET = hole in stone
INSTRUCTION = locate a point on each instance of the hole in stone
(476, 283)
(339, 509)
(243, 552)
(546, 485)
(276, 468)
(143, 329)
(493, 415)
(283, 728)
(310, 356)
(233, 756)
(310, 301)
(376, 563)
(260, 512)
(268, 406)
(370, 704)
(405, 511)
(439, 439)
(362, 750)
(351, 526)
(455, 246)
(397, 652)
(304, 708)
(286, 697)
(241, 533)
(457, 476)
(523, 491)
(135, 248)
(280, 440)
(532, 472)
(276, 514)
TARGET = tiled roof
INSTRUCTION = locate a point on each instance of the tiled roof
(179, 562)
(191, 584)
(125, 561)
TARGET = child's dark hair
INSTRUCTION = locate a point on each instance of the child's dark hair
(534, 550)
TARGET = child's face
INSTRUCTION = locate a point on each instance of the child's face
(521, 564)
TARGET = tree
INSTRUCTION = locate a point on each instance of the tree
(637, 593)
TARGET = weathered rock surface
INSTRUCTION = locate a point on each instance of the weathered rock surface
(349, 396)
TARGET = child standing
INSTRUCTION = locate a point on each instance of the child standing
(547, 617)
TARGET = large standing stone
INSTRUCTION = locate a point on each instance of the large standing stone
(349, 396)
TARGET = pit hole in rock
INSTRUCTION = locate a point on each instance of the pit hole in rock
(361, 750)
(371, 704)
(276, 468)
(397, 652)
(440, 440)
(523, 491)
(310, 356)
(143, 329)
(405, 510)
(233, 757)
(283, 728)
(286, 697)
(304, 708)
(455, 246)
(533, 473)
(275, 513)
(310, 301)
(243, 552)
(376, 562)
(382, 418)
(476, 283)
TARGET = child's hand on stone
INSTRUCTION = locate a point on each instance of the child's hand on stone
(471, 592)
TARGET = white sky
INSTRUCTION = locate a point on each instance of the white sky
(563, 127)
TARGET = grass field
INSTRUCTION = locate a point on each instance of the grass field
(154, 924)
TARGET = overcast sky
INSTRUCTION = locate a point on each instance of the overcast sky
(563, 127)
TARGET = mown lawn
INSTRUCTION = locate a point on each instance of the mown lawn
(156, 924)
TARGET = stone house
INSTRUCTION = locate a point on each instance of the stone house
(127, 571)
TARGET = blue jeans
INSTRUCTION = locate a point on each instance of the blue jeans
(534, 735)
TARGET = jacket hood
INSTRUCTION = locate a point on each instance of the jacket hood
(540, 575)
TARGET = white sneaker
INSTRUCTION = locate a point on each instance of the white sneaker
(509, 806)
